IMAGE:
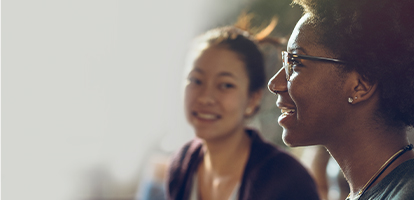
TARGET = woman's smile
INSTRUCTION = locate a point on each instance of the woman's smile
(206, 116)
(288, 115)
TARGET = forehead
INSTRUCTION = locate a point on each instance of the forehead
(304, 39)
(215, 60)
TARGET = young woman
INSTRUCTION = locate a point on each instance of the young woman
(348, 84)
(226, 160)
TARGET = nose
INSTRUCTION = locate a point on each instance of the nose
(206, 96)
(278, 82)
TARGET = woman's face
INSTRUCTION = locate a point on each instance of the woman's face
(313, 102)
(216, 96)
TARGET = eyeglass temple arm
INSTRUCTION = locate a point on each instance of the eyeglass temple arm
(318, 58)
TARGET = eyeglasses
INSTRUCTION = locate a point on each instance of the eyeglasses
(290, 59)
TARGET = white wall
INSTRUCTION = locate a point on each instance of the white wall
(89, 87)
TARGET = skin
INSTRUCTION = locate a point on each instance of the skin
(314, 91)
(354, 136)
(217, 103)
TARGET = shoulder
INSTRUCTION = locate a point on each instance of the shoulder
(398, 184)
(280, 165)
(402, 183)
(181, 168)
(275, 173)
(185, 155)
(266, 155)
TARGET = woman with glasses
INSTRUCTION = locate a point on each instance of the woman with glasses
(347, 83)
(226, 160)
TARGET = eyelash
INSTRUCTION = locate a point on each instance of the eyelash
(226, 86)
(221, 85)
(194, 80)
(296, 62)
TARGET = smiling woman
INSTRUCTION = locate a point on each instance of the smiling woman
(218, 78)
(347, 84)
(226, 160)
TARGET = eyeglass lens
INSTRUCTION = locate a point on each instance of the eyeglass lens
(287, 64)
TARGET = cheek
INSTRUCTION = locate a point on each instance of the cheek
(317, 100)
(235, 103)
(300, 92)
(310, 96)
(189, 95)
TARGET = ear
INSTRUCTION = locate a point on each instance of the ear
(361, 88)
(254, 102)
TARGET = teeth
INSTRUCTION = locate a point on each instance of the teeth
(287, 111)
(206, 116)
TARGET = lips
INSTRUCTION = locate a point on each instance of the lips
(287, 118)
(206, 115)
(287, 111)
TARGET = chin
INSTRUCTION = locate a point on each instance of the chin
(208, 135)
(295, 140)
(204, 134)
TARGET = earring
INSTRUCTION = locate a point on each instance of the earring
(350, 100)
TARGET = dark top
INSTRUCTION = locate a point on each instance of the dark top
(270, 173)
(397, 185)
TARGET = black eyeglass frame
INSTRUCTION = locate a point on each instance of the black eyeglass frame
(291, 56)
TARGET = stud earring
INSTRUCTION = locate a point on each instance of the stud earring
(350, 100)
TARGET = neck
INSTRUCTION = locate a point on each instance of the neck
(227, 155)
(356, 157)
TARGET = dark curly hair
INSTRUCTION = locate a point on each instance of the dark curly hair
(377, 38)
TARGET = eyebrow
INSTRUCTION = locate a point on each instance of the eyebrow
(196, 69)
(297, 49)
(227, 74)
(221, 74)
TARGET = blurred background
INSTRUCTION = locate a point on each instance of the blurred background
(92, 92)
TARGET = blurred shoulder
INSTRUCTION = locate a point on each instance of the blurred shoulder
(186, 153)
(273, 173)
(268, 158)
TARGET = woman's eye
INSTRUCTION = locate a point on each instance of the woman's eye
(193, 80)
(296, 62)
(226, 86)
